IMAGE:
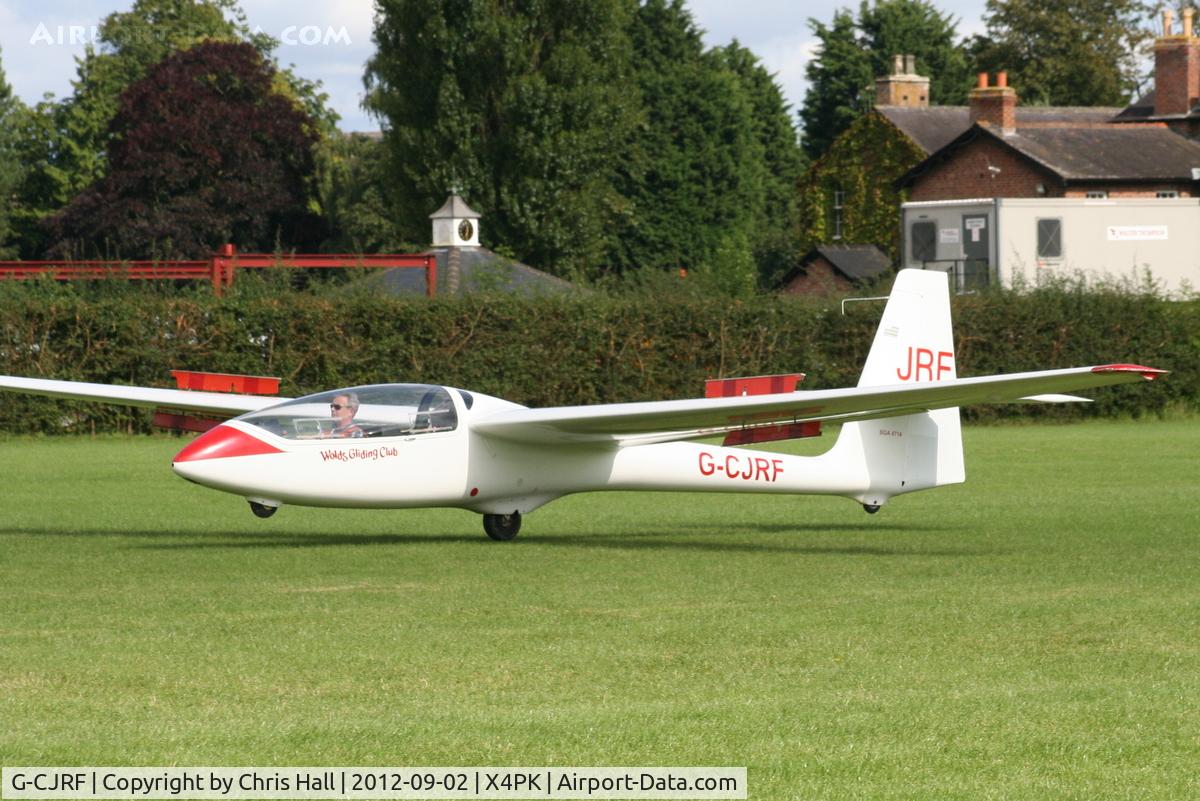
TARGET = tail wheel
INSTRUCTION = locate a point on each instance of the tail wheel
(262, 510)
(502, 527)
(870, 508)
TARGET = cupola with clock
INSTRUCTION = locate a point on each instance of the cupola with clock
(455, 224)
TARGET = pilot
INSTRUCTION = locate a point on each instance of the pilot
(343, 407)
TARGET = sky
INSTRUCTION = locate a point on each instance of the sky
(330, 40)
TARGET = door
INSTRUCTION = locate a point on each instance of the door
(976, 258)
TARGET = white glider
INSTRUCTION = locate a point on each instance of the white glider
(417, 445)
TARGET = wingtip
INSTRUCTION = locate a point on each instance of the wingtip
(1148, 373)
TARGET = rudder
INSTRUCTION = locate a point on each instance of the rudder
(913, 344)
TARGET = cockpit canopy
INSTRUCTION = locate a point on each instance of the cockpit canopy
(378, 410)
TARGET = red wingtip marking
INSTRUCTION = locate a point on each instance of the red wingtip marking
(224, 441)
(1148, 373)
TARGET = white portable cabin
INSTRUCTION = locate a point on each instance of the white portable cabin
(1002, 240)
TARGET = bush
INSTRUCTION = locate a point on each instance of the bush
(555, 350)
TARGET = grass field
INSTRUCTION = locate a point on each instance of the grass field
(1033, 634)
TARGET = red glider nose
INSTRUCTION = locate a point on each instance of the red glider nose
(222, 442)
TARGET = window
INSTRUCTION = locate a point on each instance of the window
(839, 202)
(1049, 239)
(381, 410)
(1097, 194)
(924, 240)
(1166, 193)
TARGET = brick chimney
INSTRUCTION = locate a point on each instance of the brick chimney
(994, 105)
(1176, 67)
(903, 87)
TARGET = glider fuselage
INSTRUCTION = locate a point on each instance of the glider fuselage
(455, 467)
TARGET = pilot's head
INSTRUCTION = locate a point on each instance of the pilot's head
(343, 407)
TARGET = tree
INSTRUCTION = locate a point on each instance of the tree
(10, 164)
(916, 27)
(595, 136)
(34, 140)
(855, 51)
(74, 151)
(774, 243)
(130, 43)
(1065, 52)
(695, 179)
(524, 109)
(838, 75)
(204, 151)
(350, 189)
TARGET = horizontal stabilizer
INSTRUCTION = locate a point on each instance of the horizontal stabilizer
(1054, 399)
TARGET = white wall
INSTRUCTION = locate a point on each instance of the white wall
(1119, 238)
(947, 215)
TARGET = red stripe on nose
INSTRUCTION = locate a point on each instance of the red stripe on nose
(223, 442)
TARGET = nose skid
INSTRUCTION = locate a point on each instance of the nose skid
(194, 472)
(245, 477)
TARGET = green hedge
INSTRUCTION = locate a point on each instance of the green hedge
(555, 350)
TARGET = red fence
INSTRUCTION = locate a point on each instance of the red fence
(219, 268)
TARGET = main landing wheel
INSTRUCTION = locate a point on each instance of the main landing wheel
(262, 510)
(502, 527)
(870, 508)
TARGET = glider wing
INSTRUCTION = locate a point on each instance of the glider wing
(684, 419)
(219, 403)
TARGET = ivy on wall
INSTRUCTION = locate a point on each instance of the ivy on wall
(862, 164)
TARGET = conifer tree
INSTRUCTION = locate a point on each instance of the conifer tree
(525, 111)
(775, 240)
(855, 50)
(696, 182)
(838, 76)
(10, 165)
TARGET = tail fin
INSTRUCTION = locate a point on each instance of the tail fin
(914, 343)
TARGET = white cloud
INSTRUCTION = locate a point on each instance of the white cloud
(40, 42)
(344, 24)
(323, 40)
(787, 56)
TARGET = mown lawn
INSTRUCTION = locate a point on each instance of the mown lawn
(1033, 634)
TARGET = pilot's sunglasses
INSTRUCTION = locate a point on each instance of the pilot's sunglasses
(337, 406)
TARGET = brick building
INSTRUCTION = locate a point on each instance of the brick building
(836, 270)
(1149, 149)
(851, 195)
(1005, 154)
(905, 150)
(1018, 196)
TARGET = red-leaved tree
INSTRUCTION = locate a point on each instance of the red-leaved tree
(205, 150)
